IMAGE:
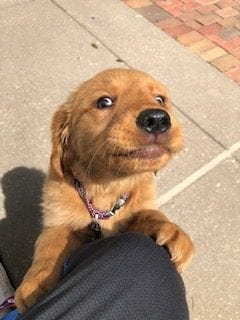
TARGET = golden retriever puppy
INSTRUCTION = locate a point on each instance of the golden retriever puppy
(109, 139)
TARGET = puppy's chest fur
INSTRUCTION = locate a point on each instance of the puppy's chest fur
(71, 210)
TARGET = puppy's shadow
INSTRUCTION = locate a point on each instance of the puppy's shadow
(22, 189)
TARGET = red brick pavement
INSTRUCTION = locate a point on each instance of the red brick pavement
(210, 28)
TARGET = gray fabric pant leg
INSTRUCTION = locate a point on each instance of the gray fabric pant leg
(118, 278)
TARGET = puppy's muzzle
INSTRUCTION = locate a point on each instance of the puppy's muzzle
(154, 121)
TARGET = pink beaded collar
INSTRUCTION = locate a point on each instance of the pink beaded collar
(94, 212)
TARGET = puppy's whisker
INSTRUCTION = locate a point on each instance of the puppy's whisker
(108, 146)
(112, 153)
(88, 170)
(121, 166)
(119, 170)
(94, 156)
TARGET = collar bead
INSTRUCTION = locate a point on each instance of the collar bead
(94, 212)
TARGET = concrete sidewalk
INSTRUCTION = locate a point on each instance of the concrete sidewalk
(49, 47)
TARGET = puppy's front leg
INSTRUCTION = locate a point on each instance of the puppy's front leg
(52, 247)
(154, 224)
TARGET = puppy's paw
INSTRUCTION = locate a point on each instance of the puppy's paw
(178, 243)
(35, 285)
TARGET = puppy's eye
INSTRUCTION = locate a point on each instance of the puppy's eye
(160, 100)
(104, 102)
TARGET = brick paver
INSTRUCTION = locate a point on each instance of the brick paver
(234, 73)
(213, 53)
(210, 28)
(226, 62)
(202, 45)
(190, 38)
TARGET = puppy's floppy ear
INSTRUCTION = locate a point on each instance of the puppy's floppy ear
(60, 140)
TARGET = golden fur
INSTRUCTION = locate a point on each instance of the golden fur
(95, 146)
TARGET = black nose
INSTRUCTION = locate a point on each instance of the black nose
(154, 121)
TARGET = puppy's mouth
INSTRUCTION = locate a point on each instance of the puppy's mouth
(148, 152)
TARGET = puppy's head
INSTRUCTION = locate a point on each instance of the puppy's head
(116, 124)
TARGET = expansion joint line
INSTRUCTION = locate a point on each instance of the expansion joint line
(198, 174)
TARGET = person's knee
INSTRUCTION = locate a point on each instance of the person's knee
(141, 253)
(146, 264)
(131, 240)
(142, 250)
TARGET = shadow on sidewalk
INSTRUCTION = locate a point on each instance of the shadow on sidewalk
(22, 189)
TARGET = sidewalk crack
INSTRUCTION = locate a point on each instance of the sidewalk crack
(118, 58)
